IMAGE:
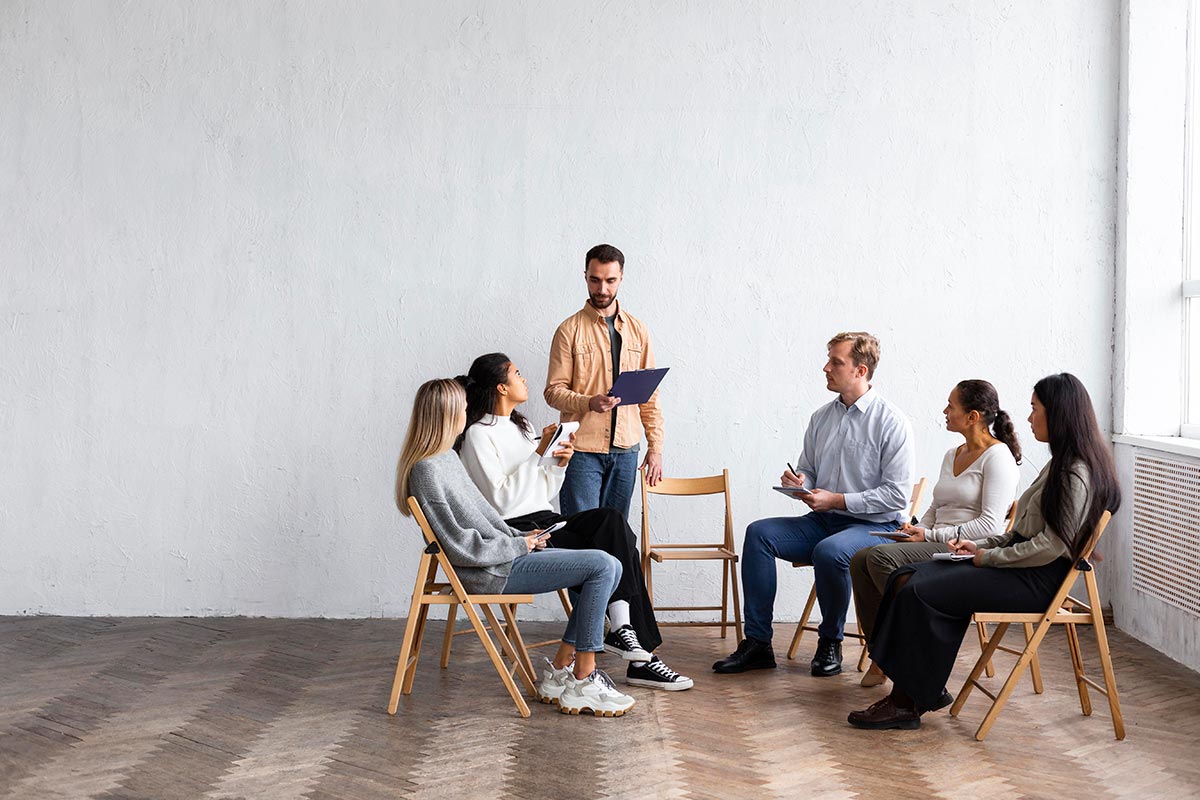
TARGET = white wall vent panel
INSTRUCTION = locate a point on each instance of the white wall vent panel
(1166, 531)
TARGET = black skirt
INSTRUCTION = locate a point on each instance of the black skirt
(605, 529)
(920, 628)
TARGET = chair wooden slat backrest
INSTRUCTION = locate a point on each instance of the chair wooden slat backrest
(429, 591)
(723, 551)
(1063, 610)
(914, 504)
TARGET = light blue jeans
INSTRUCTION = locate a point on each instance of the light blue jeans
(599, 480)
(828, 541)
(594, 572)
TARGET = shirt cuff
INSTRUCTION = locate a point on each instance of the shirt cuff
(855, 503)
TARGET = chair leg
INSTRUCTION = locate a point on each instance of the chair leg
(1010, 684)
(416, 650)
(984, 659)
(646, 562)
(981, 629)
(565, 599)
(724, 597)
(737, 604)
(497, 662)
(451, 617)
(410, 630)
(514, 635)
(1085, 702)
(1035, 666)
(508, 649)
(1110, 676)
(808, 607)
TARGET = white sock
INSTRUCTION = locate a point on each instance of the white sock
(618, 614)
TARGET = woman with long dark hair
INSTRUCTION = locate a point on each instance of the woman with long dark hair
(927, 607)
(502, 459)
(975, 487)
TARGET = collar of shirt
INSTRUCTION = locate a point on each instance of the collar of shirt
(862, 404)
(600, 317)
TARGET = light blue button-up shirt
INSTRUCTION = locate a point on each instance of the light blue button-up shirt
(865, 452)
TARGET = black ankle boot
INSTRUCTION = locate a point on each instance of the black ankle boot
(750, 654)
(828, 660)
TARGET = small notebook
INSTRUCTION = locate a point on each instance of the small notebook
(561, 434)
(953, 556)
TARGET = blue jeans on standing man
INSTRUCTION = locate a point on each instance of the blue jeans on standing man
(595, 572)
(825, 539)
(599, 480)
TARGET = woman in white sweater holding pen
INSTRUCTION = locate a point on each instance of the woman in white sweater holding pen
(503, 461)
(975, 488)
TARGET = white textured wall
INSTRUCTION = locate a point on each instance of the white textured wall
(237, 236)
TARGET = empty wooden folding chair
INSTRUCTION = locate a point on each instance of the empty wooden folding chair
(914, 503)
(1062, 610)
(722, 551)
(429, 591)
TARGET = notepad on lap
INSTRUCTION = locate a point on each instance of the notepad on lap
(952, 556)
(561, 434)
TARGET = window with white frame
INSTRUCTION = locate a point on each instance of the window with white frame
(1191, 241)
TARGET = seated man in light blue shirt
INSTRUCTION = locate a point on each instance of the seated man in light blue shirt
(858, 463)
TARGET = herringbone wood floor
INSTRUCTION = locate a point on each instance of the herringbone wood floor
(251, 708)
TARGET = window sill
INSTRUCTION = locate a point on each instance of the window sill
(1167, 444)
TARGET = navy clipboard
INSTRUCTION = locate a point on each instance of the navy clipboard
(636, 387)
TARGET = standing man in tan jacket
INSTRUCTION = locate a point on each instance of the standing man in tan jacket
(589, 350)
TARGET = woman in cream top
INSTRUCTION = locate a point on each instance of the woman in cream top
(971, 498)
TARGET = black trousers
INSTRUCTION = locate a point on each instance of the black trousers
(605, 529)
(920, 628)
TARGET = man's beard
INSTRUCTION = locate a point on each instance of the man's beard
(611, 300)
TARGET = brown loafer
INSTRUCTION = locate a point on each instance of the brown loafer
(885, 715)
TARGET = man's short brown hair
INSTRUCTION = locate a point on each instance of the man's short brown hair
(864, 349)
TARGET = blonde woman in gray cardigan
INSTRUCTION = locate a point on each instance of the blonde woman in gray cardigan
(975, 488)
(491, 557)
(927, 607)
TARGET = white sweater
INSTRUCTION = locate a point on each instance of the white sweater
(976, 500)
(503, 463)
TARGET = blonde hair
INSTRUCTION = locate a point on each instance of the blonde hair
(431, 430)
(864, 349)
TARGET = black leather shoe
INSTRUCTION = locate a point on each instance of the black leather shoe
(750, 654)
(943, 701)
(885, 715)
(828, 660)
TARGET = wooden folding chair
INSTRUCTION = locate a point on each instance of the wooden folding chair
(981, 628)
(914, 503)
(1063, 610)
(722, 551)
(429, 591)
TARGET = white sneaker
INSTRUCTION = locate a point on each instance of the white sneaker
(595, 693)
(554, 680)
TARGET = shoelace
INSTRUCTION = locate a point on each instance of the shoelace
(662, 670)
(601, 677)
(629, 639)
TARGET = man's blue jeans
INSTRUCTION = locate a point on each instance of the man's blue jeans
(599, 480)
(825, 539)
(595, 572)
